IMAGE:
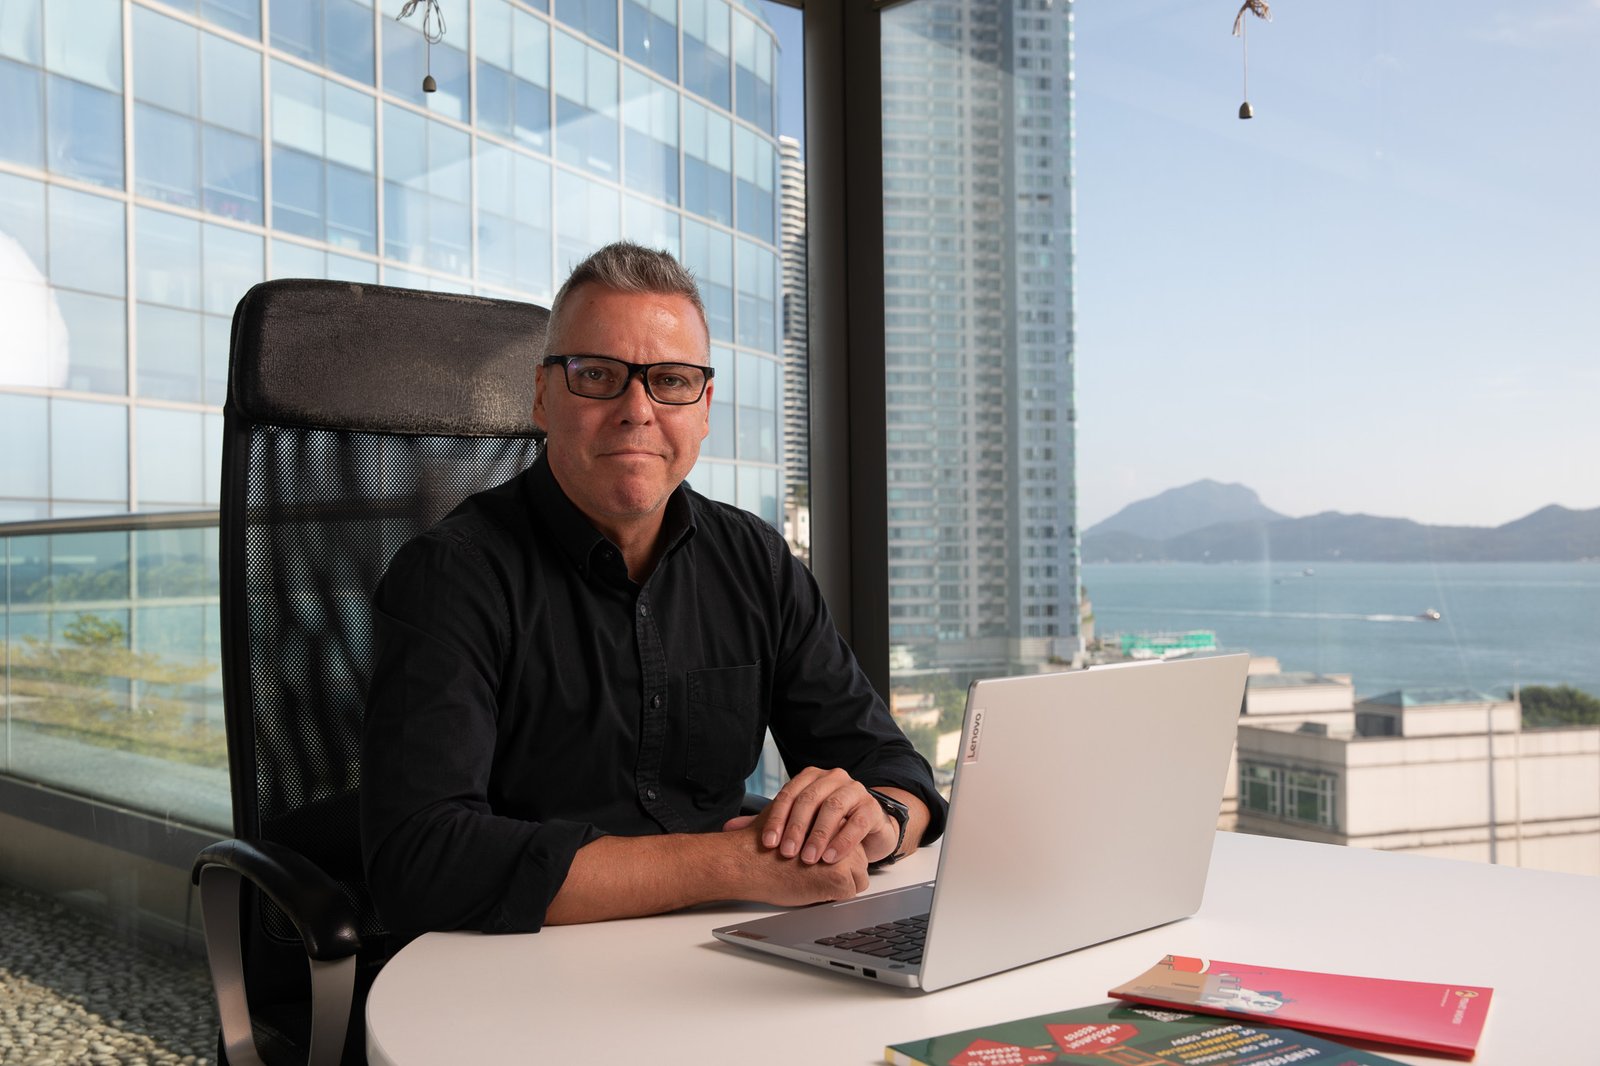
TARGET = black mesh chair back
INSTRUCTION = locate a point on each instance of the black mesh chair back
(357, 416)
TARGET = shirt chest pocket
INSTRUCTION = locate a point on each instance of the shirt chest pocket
(727, 724)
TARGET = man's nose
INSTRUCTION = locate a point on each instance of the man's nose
(636, 403)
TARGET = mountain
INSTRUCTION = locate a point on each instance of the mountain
(1186, 509)
(1551, 534)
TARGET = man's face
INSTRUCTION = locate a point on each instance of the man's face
(620, 459)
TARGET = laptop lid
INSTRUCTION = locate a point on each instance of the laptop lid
(1084, 807)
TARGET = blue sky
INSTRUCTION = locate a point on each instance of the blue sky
(1380, 295)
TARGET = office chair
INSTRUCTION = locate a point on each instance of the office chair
(356, 416)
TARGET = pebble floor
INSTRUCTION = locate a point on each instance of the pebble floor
(72, 992)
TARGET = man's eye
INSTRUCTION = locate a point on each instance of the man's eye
(671, 381)
(596, 374)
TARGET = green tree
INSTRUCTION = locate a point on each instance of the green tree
(1544, 705)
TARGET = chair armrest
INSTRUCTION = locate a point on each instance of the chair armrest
(324, 918)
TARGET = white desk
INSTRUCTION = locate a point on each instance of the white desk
(661, 989)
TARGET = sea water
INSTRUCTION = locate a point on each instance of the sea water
(1499, 625)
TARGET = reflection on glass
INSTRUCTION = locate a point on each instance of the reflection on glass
(89, 451)
(586, 106)
(709, 253)
(84, 132)
(650, 121)
(96, 344)
(706, 66)
(25, 472)
(22, 138)
(86, 242)
(170, 349)
(650, 35)
(171, 459)
(707, 163)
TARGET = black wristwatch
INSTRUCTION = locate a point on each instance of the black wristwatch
(901, 815)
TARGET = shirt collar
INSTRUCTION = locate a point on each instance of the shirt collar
(586, 547)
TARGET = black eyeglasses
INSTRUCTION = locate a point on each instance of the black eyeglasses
(600, 377)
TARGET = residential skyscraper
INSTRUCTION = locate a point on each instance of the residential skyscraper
(796, 367)
(978, 265)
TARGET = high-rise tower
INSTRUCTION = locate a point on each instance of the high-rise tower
(977, 140)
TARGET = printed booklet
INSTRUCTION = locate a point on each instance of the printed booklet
(1418, 1014)
(1124, 1033)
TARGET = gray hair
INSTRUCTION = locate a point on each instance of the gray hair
(624, 266)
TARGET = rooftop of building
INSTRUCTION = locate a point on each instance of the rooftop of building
(1296, 679)
(1431, 697)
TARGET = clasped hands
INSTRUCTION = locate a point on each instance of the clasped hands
(823, 817)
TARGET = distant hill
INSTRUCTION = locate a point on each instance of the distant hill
(1186, 509)
(1551, 534)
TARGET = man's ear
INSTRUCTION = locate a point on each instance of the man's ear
(705, 428)
(540, 379)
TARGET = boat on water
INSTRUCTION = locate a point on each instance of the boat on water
(1430, 615)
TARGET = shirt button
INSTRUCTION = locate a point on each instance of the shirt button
(650, 794)
(655, 702)
(644, 610)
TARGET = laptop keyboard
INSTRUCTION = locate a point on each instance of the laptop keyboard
(898, 941)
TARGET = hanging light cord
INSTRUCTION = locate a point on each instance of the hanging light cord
(432, 33)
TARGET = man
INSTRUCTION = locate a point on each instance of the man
(575, 670)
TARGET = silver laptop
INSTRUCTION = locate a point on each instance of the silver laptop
(1084, 808)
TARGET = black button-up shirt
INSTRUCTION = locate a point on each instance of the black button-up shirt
(528, 697)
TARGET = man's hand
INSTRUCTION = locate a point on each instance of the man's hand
(823, 815)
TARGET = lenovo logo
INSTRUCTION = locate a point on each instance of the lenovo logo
(972, 737)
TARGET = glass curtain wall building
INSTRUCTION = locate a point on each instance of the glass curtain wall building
(157, 159)
(979, 336)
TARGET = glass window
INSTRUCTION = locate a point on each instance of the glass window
(171, 457)
(650, 121)
(336, 34)
(755, 166)
(168, 259)
(588, 215)
(758, 297)
(23, 430)
(407, 59)
(84, 134)
(707, 163)
(707, 69)
(333, 198)
(752, 50)
(165, 54)
(514, 237)
(22, 139)
(89, 451)
(513, 73)
(720, 442)
(597, 18)
(83, 41)
(757, 397)
(650, 35)
(709, 253)
(650, 224)
(586, 107)
(166, 162)
(426, 219)
(170, 357)
(232, 261)
(758, 492)
(87, 245)
(21, 31)
(230, 174)
(231, 75)
(96, 348)
(215, 333)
